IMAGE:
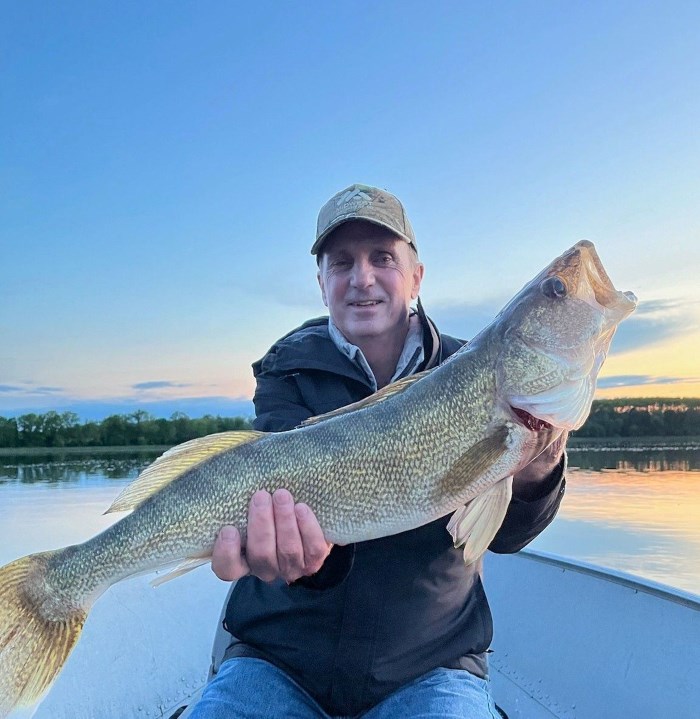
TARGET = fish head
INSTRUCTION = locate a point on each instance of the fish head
(554, 336)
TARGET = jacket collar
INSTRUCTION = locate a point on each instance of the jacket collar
(310, 347)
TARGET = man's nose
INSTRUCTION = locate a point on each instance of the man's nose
(362, 274)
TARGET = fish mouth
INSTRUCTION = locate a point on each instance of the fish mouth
(583, 273)
(528, 420)
(603, 289)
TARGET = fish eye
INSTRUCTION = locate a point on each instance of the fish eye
(553, 287)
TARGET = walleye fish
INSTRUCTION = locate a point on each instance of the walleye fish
(440, 442)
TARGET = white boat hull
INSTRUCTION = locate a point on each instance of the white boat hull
(575, 642)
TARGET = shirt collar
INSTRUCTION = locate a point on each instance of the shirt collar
(410, 358)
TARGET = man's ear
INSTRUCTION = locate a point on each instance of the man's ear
(418, 272)
(321, 284)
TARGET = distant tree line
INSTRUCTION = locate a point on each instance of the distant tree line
(64, 429)
(646, 417)
(608, 418)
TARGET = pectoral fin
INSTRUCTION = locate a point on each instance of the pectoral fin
(175, 462)
(475, 462)
(475, 525)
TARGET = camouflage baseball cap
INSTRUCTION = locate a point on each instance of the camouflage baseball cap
(362, 202)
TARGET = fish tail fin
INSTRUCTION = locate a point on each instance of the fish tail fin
(38, 630)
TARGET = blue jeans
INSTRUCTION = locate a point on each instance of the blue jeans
(247, 688)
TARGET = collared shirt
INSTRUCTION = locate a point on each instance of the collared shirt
(410, 359)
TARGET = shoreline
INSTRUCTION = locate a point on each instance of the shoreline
(678, 442)
(120, 449)
(574, 444)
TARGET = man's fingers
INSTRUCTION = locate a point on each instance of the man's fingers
(261, 545)
(227, 561)
(283, 540)
(316, 548)
(290, 551)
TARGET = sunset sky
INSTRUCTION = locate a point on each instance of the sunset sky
(162, 166)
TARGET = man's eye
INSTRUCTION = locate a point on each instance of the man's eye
(385, 259)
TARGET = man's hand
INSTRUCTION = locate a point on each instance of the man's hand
(284, 540)
(527, 482)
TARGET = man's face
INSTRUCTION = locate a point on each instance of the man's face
(368, 277)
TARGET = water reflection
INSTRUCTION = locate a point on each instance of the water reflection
(667, 503)
(53, 469)
(642, 459)
(641, 522)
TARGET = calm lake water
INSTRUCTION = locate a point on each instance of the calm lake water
(634, 510)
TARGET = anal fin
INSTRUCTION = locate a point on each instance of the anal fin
(187, 566)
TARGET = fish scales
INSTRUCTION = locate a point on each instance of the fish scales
(444, 441)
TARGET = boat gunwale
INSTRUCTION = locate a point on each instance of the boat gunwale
(615, 576)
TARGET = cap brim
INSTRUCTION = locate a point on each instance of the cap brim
(354, 218)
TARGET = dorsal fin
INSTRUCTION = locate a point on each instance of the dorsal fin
(175, 462)
(379, 396)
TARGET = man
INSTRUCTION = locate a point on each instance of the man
(394, 627)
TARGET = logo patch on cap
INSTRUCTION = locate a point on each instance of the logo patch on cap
(353, 200)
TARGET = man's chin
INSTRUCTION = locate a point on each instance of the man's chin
(359, 330)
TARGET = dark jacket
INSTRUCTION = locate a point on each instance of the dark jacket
(378, 613)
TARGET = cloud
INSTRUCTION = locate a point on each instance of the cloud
(656, 307)
(158, 384)
(10, 388)
(463, 319)
(29, 389)
(654, 322)
(633, 380)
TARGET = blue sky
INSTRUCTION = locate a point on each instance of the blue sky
(162, 166)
